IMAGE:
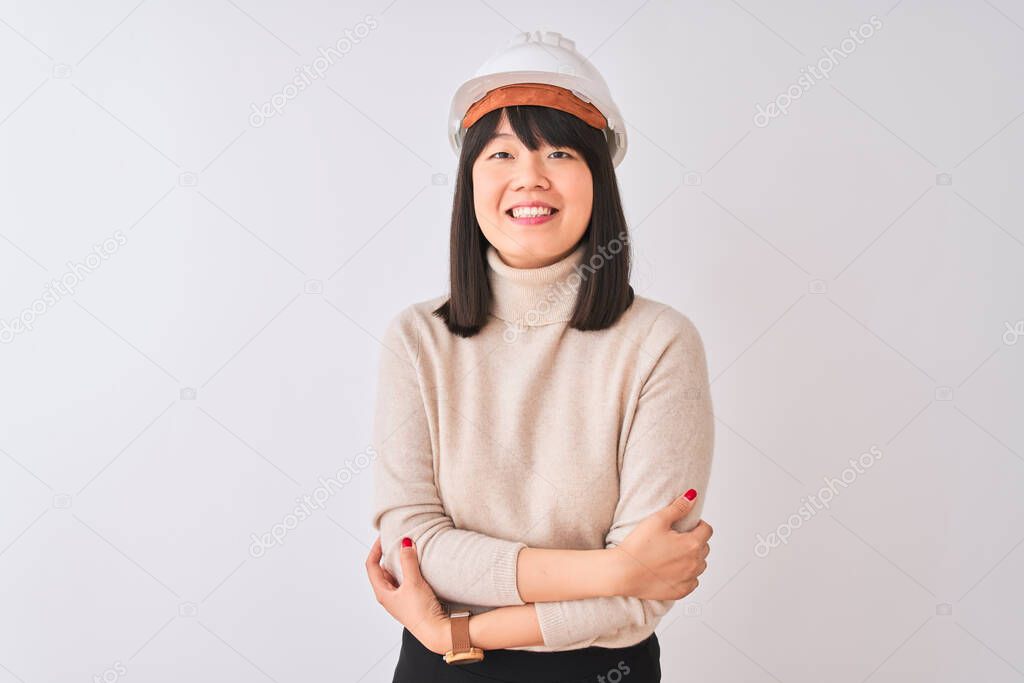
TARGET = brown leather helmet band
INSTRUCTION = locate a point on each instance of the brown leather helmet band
(540, 94)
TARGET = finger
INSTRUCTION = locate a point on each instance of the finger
(701, 532)
(679, 507)
(375, 553)
(380, 579)
(379, 582)
(390, 578)
(410, 562)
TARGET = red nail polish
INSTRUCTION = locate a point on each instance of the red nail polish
(406, 542)
(691, 494)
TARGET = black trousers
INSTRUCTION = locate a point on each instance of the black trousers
(640, 663)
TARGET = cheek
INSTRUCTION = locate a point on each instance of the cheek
(486, 193)
(579, 184)
(582, 197)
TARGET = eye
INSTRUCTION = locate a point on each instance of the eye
(567, 154)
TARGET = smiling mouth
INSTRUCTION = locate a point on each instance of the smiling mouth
(551, 212)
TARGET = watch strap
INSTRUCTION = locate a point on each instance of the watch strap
(460, 632)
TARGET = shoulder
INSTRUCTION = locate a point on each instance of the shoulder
(673, 348)
(662, 325)
(416, 313)
(406, 326)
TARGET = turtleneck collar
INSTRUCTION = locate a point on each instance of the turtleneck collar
(534, 296)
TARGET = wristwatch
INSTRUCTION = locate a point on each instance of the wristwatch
(462, 651)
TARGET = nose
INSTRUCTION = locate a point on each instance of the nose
(530, 173)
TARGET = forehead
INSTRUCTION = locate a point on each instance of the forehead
(504, 131)
(506, 138)
(504, 134)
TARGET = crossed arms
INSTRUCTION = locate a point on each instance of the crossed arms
(554, 597)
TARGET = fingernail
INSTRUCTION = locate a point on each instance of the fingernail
(406, 542)
(691, 494)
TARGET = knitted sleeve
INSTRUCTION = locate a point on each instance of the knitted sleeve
(668, 450)
(461, 566)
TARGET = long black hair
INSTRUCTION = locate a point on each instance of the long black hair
(605, 293)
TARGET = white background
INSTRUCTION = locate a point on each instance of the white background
(849, 296)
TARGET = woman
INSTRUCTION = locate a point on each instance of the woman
(537, 428)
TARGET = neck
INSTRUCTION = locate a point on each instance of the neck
(534, 296)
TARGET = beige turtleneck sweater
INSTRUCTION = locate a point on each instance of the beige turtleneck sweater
(537, 435)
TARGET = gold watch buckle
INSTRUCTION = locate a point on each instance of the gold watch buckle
(462, 651)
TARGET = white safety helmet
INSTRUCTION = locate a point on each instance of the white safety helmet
(549, 59)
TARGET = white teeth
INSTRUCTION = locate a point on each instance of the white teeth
(530, 211)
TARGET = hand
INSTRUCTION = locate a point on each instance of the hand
(659, 563)
(414, 603)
